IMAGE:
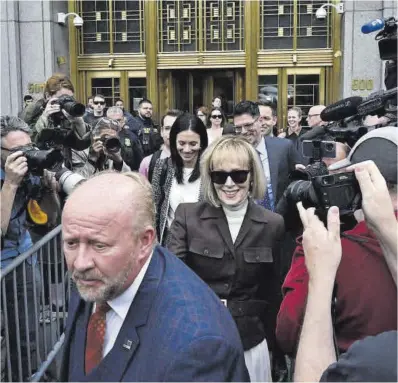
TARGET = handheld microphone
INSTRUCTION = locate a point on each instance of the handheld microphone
(341, 109)
(373, 26)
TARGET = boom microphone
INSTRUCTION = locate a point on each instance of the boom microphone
(373, 26)
(341, 109)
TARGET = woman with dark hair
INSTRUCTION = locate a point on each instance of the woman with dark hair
(217, 124)
(177, 179)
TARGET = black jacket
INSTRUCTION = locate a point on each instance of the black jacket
(244, 273)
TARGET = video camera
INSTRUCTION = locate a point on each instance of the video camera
(317, 188)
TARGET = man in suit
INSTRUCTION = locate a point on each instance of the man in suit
(141, 314)
(278, 156)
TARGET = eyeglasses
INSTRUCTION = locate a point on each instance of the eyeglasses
(99, 102)
(248, 127)
(238, 176)
(313, 115)
(214, 116)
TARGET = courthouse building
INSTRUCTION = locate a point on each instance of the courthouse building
(181, 53)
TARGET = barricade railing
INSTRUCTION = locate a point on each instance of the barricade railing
(35, 291)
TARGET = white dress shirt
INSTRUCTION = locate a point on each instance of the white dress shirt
(262, 150)
(119, 309)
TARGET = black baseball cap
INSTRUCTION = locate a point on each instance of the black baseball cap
(380, 146)
(372, 359)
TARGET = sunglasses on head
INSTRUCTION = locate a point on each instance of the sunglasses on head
(216, 116)
(238, 176)
(99, 102)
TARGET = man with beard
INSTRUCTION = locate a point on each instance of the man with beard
(144, 127)
(139, 314)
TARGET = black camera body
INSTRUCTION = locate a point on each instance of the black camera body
(38, 160)
(112, 144)
(70, 105)
(318, 149)
(341, 190)
(387, 39)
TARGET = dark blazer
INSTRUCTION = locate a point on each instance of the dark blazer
(245, 273)
(282, 157)
(176, 330)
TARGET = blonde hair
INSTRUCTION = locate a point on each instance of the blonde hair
(220, 151)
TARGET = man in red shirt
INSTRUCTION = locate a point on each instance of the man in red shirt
(366, 292)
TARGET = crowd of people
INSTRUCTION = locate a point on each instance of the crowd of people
(180, 241)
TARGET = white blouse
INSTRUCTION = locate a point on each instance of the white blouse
(235, 216)
(182, 193)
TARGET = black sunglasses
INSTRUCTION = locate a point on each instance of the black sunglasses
(216, 116)
(238, 176)
(99, 102)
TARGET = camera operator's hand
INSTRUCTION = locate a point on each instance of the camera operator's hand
(51, 107)
(322, 247)
(16, 167)
(376, 201)
(115, 157)
(300, 167)
(95, 150)
(49, 181)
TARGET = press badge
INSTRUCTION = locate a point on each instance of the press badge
(127, 142)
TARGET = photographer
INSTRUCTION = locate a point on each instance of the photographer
(52, 125)
(366, 293)
(104, 152)
(132, 152)
(19, 188)
(371, 359)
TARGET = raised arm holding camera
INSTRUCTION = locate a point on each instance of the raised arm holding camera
(23, 194)
(366, 289)
(104, 152)
(56, 120)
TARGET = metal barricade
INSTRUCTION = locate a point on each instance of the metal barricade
(34, 296)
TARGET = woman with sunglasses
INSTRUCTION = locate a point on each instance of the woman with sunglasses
(232, 244)
(176, 179)
(217, 121)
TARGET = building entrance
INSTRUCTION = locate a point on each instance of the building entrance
(194, 88)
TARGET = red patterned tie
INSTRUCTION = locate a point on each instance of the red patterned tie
(95, 336)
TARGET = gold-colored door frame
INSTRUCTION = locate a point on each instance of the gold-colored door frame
(282, 76)
(90, 75)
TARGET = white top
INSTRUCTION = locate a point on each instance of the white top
(213, 135)
(182, 193)
(262, 150)
(119, 309)
(235, 216)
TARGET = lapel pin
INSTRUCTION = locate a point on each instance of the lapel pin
(127, 344)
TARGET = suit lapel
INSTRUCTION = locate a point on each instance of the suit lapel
(217, 214)
(253, 213)
(75, 306)
(128, 339)
(273, 160)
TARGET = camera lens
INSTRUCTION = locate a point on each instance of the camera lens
(328, 180)
(329, 147)
(112, 144)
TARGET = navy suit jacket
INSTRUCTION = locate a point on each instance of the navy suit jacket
(177, 330)
(282, 158)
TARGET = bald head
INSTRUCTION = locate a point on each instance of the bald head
(114, 193)
(313, 117)
(108, 233)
